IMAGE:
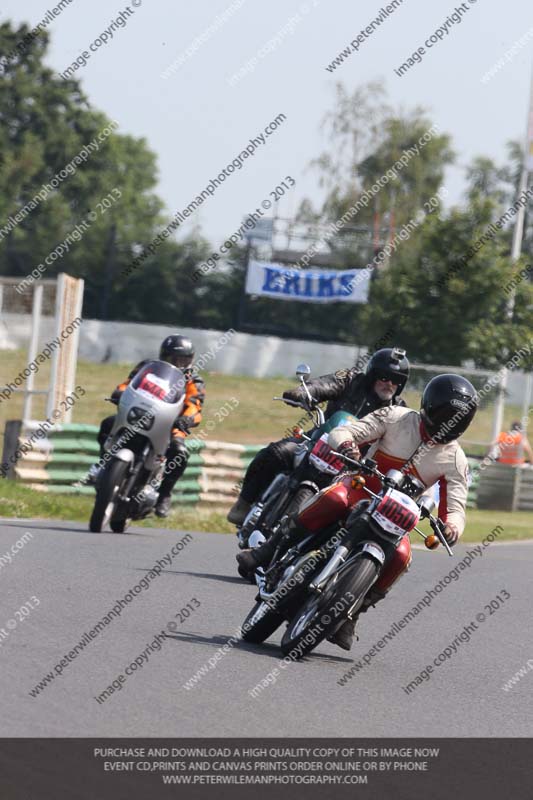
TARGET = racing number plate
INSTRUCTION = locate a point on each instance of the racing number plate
(397, 513)
(152, 384)
(322, 457)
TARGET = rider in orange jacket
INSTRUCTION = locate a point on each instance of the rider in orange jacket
(179, 351)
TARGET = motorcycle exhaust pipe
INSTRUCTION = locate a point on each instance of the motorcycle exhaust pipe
(338, 558)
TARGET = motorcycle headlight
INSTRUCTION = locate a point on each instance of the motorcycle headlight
(395, 478)
(141, 419)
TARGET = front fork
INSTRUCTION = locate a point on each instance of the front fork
(350, 549)
(134, 474)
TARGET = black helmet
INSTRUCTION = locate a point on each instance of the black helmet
(177, 350)
(448, 406)
(390, 362)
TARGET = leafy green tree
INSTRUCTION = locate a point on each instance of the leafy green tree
(366, 137)
(45, 123)
(444, 310)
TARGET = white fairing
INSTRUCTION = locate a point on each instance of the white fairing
(164, 413)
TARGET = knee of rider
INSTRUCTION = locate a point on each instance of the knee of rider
(177, 448)
(260, 458)
(105, 426)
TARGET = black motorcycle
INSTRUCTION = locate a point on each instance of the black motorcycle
(314, 467)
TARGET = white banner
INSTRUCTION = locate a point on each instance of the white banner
(307, 285)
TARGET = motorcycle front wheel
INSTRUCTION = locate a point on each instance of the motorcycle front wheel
(106, 494)
(322, 613)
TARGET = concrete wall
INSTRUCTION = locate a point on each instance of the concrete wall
(229, 353)
(241, 354)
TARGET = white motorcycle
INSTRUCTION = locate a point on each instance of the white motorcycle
(127, 486)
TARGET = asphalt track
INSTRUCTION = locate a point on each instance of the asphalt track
(78, 576)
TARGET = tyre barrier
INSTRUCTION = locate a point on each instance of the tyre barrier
(214, 471)
(57, 462)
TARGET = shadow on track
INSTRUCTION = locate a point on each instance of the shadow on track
(210, 576)
(57, 528)
(267, 649)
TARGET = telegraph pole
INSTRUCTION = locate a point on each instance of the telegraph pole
(516, 252)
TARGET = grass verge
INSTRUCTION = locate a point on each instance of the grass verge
(257, 419)
(17, 501)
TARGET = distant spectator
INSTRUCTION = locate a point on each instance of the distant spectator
(513, 446)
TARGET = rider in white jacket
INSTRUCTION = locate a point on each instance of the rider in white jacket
(421, 443)
(400, 441)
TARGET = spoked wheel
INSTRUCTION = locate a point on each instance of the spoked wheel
(321, 614)
(260, 623)
(106, 495)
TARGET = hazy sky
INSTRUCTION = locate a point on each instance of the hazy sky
(197, 122)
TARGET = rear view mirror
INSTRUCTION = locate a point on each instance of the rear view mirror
(303, 371)
(427, 505)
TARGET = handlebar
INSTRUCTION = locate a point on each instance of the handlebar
(436, 526)
(291, 402)
(435, 522)
(309, 407)
(362, 466)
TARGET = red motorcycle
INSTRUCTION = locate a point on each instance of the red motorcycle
(338, 570)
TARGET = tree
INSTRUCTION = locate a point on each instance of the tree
(366, 137)
(443, 310)
(45, 123)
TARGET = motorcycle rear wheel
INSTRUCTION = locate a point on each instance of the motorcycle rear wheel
(317, 619)
(260, 623)
(302, 494)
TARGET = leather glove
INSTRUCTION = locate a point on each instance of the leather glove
(183, 424)
(349, 449)
(295, 395)
(451, 534)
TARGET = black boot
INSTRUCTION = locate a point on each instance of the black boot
(289, 530)
(239, 510)
(344, 636)
(250, 559)
(164, 504)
